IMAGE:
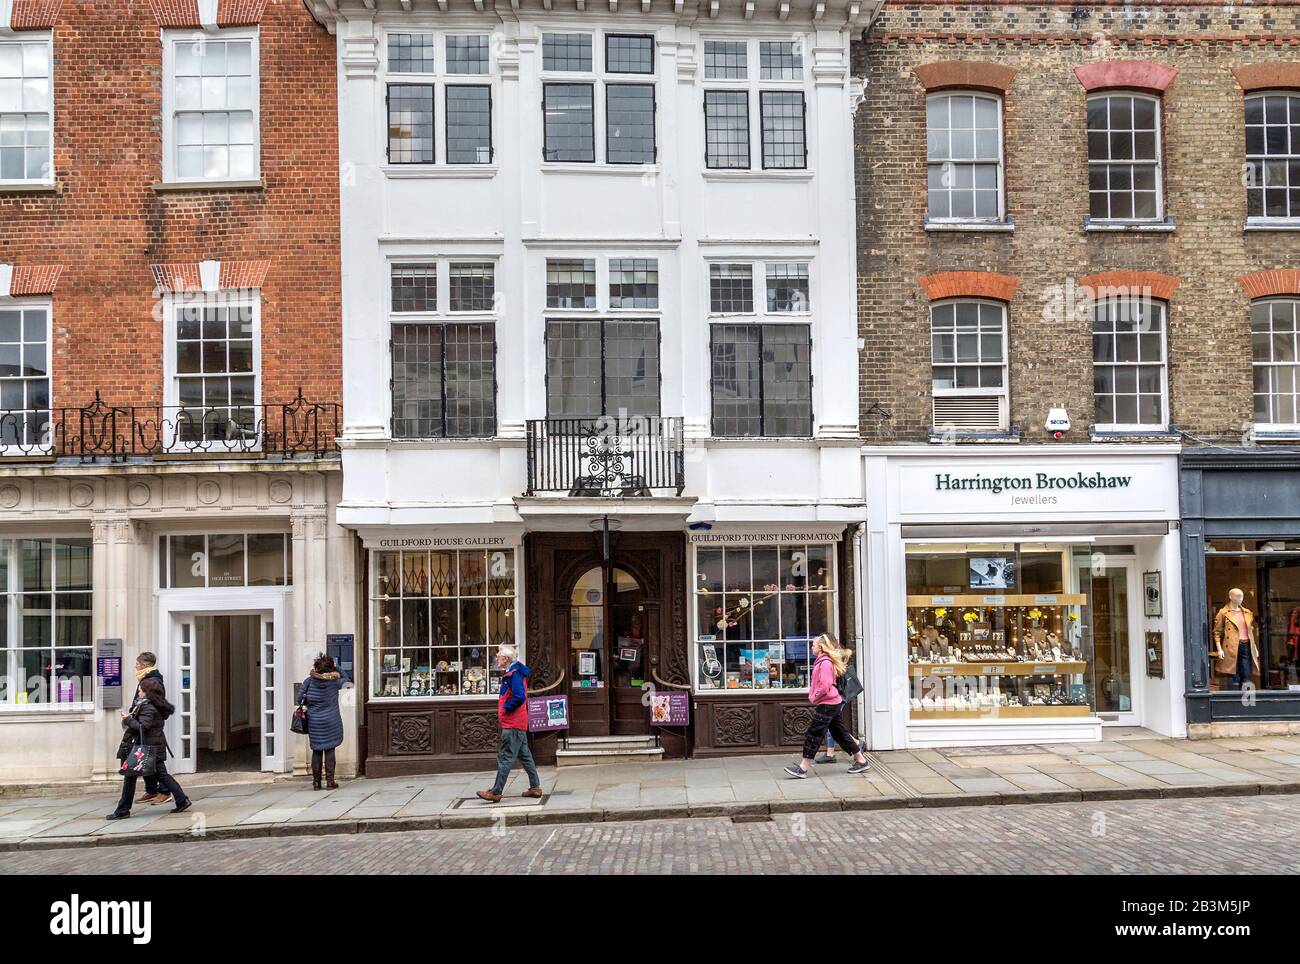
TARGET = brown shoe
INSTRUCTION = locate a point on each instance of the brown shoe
(532, 792)
(489, 796)
(145, 798)
(162, 798)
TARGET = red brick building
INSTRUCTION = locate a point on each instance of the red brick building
(169, 284)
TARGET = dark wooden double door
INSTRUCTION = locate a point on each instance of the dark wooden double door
(605, 625)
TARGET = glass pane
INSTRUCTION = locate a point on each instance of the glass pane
(266, 559)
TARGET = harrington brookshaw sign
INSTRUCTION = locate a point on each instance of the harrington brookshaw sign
(1034, 481)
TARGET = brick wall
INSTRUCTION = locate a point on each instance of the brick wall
(107, 225)
(1046, 191)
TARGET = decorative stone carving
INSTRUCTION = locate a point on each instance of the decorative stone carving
(410, 733)
(138, 493)
(81, 495)
(280, 491)
(735, 724)
(477, 732)
(794, 723)
(10, 496)
(208, 492)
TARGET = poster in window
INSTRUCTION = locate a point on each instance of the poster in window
(992, 572)
(1151, 602)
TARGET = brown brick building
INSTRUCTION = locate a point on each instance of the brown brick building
(169, 282)
(1090, 210)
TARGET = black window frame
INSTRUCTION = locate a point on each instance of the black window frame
(442, 326)
(546, 85)
(446, 124)
(654, 122)
(762, 384)
(749, 160)
(603, 322)
(762, 130)
(629, 36)
(433, 122)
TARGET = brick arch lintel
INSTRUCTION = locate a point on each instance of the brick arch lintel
(1266, 284)
(966, 74)
(1148, 283)
(1280, 76)
(969, 284)
(27, 280)
(187, 13)
(1144, 75)
(188, 275)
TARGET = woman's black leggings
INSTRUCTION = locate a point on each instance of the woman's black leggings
(827, 717)
(316, 756)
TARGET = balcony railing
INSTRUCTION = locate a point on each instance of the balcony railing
(102, 432)
(606, 457)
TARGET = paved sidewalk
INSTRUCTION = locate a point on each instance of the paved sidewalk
(1134, 766)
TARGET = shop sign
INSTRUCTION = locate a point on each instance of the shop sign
(670, 709)
(444, 542)
(548, 713)
(762, 536)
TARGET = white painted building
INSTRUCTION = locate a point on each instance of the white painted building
(598, 264)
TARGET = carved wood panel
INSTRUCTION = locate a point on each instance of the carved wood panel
(794, 723)
(410, 733)
(477, 732)
(735, 724)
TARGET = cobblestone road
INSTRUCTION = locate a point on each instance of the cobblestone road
(1251, 835)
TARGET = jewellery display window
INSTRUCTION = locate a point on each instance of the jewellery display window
(998, 631)
(757, 610)
(438, 618)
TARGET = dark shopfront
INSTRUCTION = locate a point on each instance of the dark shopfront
(1241, 530)
(600, 621)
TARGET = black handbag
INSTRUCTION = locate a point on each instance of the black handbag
(849, 685)
(298, 722)
(141, 760)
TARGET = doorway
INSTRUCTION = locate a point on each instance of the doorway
(1112, 597)
(226, 665)
(609, 628)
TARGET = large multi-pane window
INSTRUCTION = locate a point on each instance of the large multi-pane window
(758, 609)
(763, 79)
(761, 380)
(26, 111)
(227, 559)
(443, 371)
(581, 96)
(964, 137)
(45, 621)
(1273, 155)
(428, 79)
(760, 363)
(24, 374)
(215, 351)
(602, 366)
(1124, 180)
(212, 106)
(1274, 338)
(438, 619)
(968, 365)
(1128, 363)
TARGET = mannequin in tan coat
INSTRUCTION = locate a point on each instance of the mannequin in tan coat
(1227, 637)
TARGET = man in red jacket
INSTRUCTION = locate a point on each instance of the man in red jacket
(512, 713)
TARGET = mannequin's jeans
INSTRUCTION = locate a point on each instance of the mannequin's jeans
(1244, 674)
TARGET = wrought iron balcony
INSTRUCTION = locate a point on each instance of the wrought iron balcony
(102, 432)
(607, 457)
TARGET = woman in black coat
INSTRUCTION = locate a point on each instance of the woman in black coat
(320, 694)
(143, 724)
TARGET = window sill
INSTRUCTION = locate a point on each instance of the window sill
(1131, 435)
(982, 227)
(801, 174)
(421, 172)
(1272, 224)
(178, 187)
(617, 170)
(1135, 227)
(31, 187)
(28, 713)
(1271, 434)
(1002, 437)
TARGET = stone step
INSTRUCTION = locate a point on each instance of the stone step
(588, 750)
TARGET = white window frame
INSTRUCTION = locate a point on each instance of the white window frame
(1288, 428)
(1158, 165)
(439, 79)
(1163, 425)
(14, 629)
(754, 87)
(1003, 393)
(1251, 160)
(999, 102)
(170, 38)
(22, 39)
(599, 78)
(164, 559)
(19, 304)
(227, 298)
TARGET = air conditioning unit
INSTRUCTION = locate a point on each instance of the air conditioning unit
(964, 412)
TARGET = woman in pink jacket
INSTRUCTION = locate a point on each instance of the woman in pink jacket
(830, 664)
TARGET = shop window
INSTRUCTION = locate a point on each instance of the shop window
(998, 631)
(45, 622)
(757, 610)
(224, 560)
(1267, 573)
(438, 618)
